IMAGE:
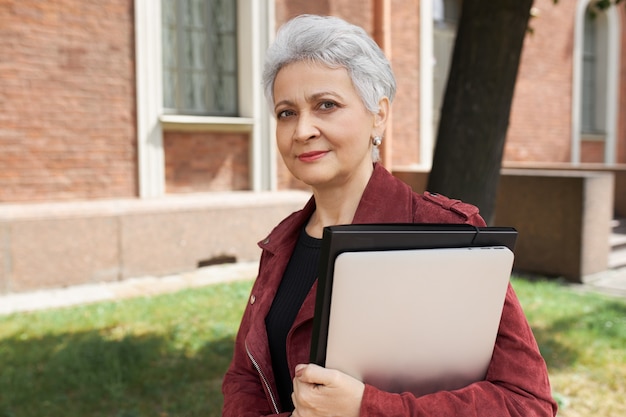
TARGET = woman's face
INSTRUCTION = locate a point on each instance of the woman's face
(323, 130)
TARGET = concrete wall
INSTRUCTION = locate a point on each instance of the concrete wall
(563, 218)
(55, 245)
(618, 171)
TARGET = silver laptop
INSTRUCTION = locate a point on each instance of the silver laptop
(419, 320)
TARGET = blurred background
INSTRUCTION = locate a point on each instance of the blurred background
(135, 138)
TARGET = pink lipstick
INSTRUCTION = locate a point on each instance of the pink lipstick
(311, 156)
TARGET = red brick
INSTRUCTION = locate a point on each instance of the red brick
(67, 100)
(67, 92)
(200, 162)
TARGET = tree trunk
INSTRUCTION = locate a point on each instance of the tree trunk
(477, 101)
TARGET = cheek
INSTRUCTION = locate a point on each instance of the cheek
(360, 140)
(283, 141)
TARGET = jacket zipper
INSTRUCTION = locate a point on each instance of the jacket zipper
(267, 385)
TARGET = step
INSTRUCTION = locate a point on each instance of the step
(617, 238)
(617, 241)
(618, 225)
(617, 258)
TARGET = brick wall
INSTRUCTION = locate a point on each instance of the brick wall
(591, 151)
(67, 100)
(540, 124)
(405, 62)
(200, 162)
(541, 116)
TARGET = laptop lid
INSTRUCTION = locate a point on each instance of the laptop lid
(417, 320)
(372, 259)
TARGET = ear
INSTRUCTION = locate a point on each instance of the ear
(381, 117)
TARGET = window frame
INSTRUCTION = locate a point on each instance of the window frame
(182, 71)
(255, 27)
(609, 76)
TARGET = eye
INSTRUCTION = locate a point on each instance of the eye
(327, 105)
(284, 113)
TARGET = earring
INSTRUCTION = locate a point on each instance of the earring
(377, 140)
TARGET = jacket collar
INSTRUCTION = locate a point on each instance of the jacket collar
(285, 234)
(385, 200)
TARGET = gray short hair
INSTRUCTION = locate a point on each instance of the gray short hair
(335, 43)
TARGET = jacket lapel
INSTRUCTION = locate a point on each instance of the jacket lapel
(385, 200)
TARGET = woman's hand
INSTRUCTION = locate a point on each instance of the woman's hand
(321, 392)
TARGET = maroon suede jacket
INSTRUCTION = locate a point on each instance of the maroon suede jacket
(517, 380)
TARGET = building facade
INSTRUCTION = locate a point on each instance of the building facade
(151, 97)
(140, 99)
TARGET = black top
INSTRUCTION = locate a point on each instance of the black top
(300, 274)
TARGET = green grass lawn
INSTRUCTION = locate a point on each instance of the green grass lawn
(165, 355)
(582, 336)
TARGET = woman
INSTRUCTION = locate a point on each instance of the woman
(330, 88)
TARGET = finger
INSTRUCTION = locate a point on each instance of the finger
(299, 368)
(294, 399)
(315, 374)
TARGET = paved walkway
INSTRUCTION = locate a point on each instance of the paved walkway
(135, 287)
(609, 282)
(612, 282)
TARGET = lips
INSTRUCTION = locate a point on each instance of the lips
(311, 156)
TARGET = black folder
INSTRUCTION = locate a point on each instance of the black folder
(389, 237)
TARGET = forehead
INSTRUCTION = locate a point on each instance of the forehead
(303, 79)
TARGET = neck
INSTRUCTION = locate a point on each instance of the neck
(336, 205)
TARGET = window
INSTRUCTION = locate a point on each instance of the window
(595, 79)
(200, 57)
(224, 96)
(594, 64)
(446, 14)
(589, 80)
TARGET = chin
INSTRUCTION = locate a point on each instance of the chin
(311, 174)
(312, 181)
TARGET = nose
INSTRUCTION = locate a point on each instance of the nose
(305, 128)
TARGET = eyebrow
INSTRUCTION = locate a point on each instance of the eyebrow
(312, 97)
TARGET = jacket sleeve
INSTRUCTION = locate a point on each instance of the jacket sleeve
(516, 384)
(242, 387)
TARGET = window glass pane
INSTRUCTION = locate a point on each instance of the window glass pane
(447, 11)
(169, 12)
(193, 12)
(588, 105)
(169, 52)
(169, 48)
(225, 54)
(169, 89)
(192, 99)
(452, 10)
(225, 99)
(200, 56)
(194, 47)
(227, 9)
(222, 55)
